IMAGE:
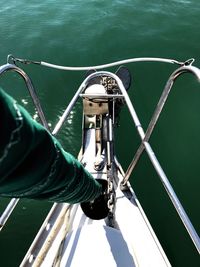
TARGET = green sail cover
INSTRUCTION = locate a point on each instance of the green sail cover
(34, 165)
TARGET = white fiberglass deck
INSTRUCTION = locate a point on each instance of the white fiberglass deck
(91, 243)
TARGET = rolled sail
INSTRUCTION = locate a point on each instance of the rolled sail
(34, 165)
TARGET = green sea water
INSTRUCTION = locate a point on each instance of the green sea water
(91, 32)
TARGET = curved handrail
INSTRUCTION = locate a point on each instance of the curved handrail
(166, 91)
(145, 145)
(29, 84)
(10, 67)
(157, 112)
(169, 189)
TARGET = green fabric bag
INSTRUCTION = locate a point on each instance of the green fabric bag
(34, 165)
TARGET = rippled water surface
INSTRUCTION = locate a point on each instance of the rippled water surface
(80, 33)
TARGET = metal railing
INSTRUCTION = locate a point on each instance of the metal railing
(11, 67)
(7, 212)
(157, 113)
(144, 136)
(3, 69)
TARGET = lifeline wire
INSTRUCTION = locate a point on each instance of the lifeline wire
(108, 65)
